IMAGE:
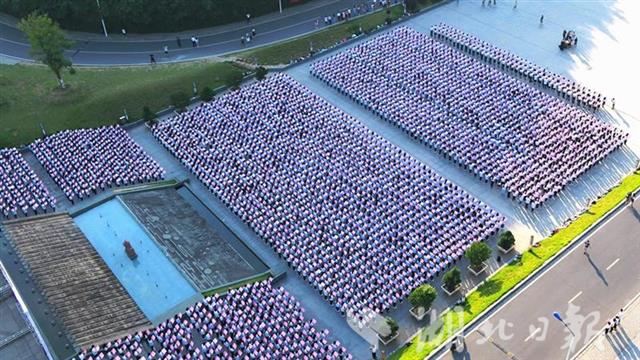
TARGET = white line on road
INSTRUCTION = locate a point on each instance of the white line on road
(613, 263)
(537, 330)
(575, 297)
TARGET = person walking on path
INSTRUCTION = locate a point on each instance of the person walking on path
(541, 19)
(152, 59)
(193, 41)
(124, 32)
(248, 16)
(613, 103)
(253, 32)
(630, 199)
(166, 50)
(586, 246)
(607, 328)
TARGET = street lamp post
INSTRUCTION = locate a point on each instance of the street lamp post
(573, 336)
(280, 3)
(104, 27)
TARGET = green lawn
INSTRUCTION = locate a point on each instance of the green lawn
(29, 95)
(284, 52)
(509, 276)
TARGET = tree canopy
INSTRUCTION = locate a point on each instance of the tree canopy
(48, 43)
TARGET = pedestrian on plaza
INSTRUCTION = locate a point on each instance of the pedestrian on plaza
(124, 32)
(586, 246)
(374, 352)
(253, 32)
(515, 4)
(494, 2)
(613, 103)
(242, 40)
(178, 41)
(541, 19)
(576, 41)
(197, 41)
(614, 325)
(166, 50)
(247, 37)
(152, 59)
(193, 41)
(564, 34)
(619, 315)
(248, 16)
(608, 328)
(630, 199)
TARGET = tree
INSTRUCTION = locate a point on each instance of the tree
(507, 240)
(452, 278)
(180, 100)
(411, 5)
(393, 326)
(48, 43)
(261, 73)
(206, 94)
(478, 253)
(423, 296)
(148, 115)
(233, 79)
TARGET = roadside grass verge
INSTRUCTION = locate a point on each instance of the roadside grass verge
(505, 279)
(286, 51)
(95, 96)
(240, 283)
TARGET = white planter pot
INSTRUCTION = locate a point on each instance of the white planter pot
(389, 340)
(419, 315)
(479, 272)
(505, 251)
(450, 293)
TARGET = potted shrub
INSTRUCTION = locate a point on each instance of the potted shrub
(451, 281)
(206, 94)
(506, 242)
(477, 254)
(421, 299)
(392, 327)
(180, 100)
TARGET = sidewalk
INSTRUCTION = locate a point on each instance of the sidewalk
(622, 344)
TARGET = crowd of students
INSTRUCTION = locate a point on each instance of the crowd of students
(363, 221)
(502, 130)
(21, 190)
(257, 321)
(86, 161)
(506, 60)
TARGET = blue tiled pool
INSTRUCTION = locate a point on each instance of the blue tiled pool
(152, 280)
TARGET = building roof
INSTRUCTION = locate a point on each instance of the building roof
(74, 280)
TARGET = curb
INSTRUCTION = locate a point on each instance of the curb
(437, 352)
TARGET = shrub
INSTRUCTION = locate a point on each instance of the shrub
(148, 115)
(206, 94)
(393, 325)
(507, 240)
(261, 73)
(477, 253)
(412, 5)
(233, 80)
(180, 100)
(452, 278)
(423, 296)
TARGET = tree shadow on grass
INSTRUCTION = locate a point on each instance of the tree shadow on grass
(490, 287)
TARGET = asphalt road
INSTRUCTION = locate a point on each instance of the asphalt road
(592, 288)
(90, 49)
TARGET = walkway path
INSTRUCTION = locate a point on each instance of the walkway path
(95, 49)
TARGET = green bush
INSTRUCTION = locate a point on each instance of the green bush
(233, 80)
(452, 278)
(507, 240)
(261, 73)
(393, 325)
(423, 296)
(180, 100)
(206, 94)
(412, 5)
(148, 115)
(478, 253)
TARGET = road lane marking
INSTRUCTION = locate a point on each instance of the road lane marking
(537, 330)
(575, 297)
(613, 263)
